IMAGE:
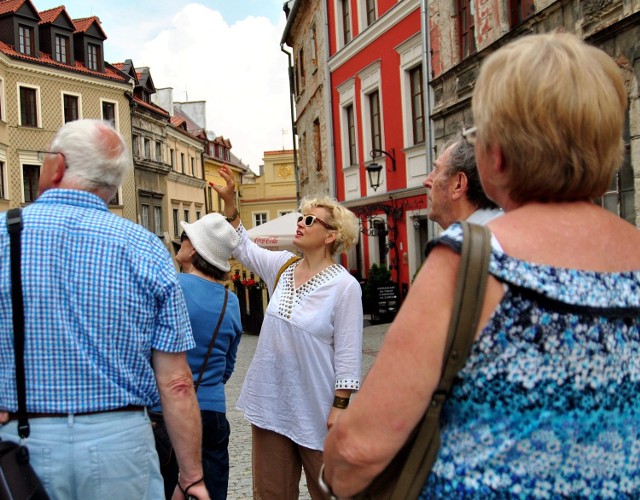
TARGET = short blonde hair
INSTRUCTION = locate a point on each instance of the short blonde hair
(555, 106)
(343, 220)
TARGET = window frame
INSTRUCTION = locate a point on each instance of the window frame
(345, 21)
(114, 120)
(62, 51)
(3, 179)
(520, 11)
(33, 189)
(418, 126)
(260, 218)
(466, 28)
(94, 55)
(78, 104)
(176, 223)
(36, 106)
(26, 40)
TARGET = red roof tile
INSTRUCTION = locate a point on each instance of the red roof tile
(10, 5)
(177, 121)
(83, 24)
(151, 106)
(48, 16)
(47, 60)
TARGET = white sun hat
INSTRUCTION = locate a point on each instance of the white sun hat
(213, 238)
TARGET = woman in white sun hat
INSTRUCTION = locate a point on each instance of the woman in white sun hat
(206, 246)
(308, 359)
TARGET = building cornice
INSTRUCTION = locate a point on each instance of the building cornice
(50, 72)
(399, 194)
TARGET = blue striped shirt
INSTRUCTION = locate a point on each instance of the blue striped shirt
(100, 293)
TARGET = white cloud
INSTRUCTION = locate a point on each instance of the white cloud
(238, 69)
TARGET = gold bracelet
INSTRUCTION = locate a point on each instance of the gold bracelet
(233, 217)
(341, 403)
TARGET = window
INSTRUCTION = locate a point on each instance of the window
(198, 214)
(30, 178)
(186, 216)
(147, 148)
(259, 218)
(2, 178)
(519, 10)
(346, 21)
(374, 116)
(158, 151)
(2, 99)
(93, 57)
(619, 198)
(157, 220)
(135, 145)
(314, 46)
(182, 162)
(351, 134)
(109, 113)
(116, 198)
(61, 53)
(466, 28)
(25, 40)
(28, 107)
(145, 216)
(210, 199)
(172, 157)
(371, 12)
(317, 145)
(71, 108)
(176, 225)
(301, 68)
(193, 167)
(417, 105)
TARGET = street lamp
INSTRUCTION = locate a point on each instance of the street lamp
(374, 169)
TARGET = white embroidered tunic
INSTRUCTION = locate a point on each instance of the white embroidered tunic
(310, 344)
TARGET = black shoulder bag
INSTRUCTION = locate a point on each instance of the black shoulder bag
(18, 480)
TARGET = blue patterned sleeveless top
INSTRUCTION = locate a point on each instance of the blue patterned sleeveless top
(548, 403)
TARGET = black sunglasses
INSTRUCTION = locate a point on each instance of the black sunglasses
(310, 219)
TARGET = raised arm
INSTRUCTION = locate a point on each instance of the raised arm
(227, 193)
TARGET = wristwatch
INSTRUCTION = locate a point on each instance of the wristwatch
(234, 216)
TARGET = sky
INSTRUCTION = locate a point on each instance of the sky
(224, 52)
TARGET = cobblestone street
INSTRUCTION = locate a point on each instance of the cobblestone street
(240, 479)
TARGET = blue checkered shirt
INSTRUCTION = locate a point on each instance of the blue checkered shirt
(100, 293)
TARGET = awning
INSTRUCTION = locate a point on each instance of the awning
(277, 234)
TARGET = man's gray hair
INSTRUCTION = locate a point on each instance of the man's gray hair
(462, 158)
(95, 154)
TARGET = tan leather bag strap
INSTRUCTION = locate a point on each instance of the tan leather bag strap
(293, 259)
(470, 291)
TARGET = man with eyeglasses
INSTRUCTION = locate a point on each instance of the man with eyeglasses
(106, 332)
(454, 189)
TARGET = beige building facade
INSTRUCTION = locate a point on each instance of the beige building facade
(39, 93)
(272, 193)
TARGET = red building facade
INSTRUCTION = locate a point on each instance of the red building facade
(380, 125)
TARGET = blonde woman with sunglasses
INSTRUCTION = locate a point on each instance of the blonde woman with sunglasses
(308, 359)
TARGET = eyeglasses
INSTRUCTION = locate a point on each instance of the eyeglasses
(310, 219)
(470, 135)
(43, 154)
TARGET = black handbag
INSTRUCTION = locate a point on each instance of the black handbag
(18, 480)
(405, 475)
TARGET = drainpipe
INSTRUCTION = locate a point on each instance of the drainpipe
(426, 77)
(328, 109)
(293, 122)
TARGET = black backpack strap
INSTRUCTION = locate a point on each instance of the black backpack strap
(14, 226)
